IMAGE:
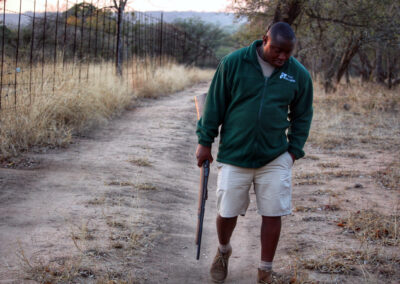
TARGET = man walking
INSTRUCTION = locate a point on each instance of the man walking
(262, 98)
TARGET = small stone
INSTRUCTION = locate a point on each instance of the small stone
(347, 106)
(358, 185)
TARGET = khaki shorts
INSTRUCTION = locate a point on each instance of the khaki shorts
(272, 186)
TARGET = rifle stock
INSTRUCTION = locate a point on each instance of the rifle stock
(204, 173)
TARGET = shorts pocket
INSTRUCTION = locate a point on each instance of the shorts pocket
(289, 159)
(286, 191)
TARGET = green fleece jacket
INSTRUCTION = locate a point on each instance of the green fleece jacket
(256, 112)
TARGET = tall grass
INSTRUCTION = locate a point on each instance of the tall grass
(65, 105)
(356, 114)
(361, 117)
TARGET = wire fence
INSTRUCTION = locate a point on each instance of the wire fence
(72, 40)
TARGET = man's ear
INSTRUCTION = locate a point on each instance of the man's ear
(265, 39)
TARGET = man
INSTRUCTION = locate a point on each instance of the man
(257, 94)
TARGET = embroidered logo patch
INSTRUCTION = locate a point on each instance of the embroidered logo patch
(287, 77)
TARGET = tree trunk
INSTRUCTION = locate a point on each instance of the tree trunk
(287, 11)
(329, 74)
(119, 52)
(380, 74)
(348, 55)
(366, 67)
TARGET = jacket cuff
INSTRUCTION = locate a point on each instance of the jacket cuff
(204, 143)
(298, 153)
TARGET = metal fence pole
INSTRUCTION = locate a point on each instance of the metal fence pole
(131, 51)
(97, 29)
(75, 31)
(31, 52)
(2, 52)
(80, 56)
(145, 44)
(108, 38)
(44, 43)
(88, 58)
(65, 33)
(161, 37)
(103, 31)
(16, 70)
(55, 48)
(137, 44)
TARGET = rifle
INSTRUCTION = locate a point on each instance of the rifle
(204, 173)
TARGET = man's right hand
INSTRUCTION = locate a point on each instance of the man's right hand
(203, 153)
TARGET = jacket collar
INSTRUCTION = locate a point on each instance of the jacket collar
(251, 55)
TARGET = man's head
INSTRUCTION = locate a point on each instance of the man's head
(278, 44)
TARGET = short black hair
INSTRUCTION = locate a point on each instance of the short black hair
(282, 29)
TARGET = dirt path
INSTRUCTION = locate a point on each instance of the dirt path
(120, 204)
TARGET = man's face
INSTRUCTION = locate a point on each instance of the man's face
(277, 51)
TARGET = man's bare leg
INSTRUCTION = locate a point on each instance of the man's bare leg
(270, 232)
(219, 266)
(225, 227)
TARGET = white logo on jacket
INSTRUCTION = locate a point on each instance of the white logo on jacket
(287, 77)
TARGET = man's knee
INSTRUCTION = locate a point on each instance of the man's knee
(271, 220)
(226, 218)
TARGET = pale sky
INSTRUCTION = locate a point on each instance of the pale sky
(139, 5)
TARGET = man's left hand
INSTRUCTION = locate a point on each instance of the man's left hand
(293, 157)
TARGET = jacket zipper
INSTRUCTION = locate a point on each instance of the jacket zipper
(262, 98)
(266, 80)
(258, 67)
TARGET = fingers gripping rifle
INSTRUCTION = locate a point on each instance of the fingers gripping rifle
(204, 173)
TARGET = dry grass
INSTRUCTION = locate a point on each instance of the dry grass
(90, 264)
(390, 177)
(371, 115)
(141, 162)
(371, 264)
(369, 225)
(343, 174)
(145, 186)
(356, 155)
(324, 207)
(328, 192)
(328, 165)
(320, 178)
(311, 157)
(170, 79)
(120, 183)
(328, 264)
(75, 106)
(97, 201)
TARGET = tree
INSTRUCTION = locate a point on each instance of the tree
(120, 7)
(332, 33)
(202, 34)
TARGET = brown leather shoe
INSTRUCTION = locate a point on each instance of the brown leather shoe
(219, 267)
(264, 277)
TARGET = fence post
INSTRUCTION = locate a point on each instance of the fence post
(17, 53)
(65, 33)
(44, 43)
(31, 52)
(119, 56)
(161, 37)
(55, 48)
(2, 51)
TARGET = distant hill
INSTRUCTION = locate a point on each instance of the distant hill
(224, 20)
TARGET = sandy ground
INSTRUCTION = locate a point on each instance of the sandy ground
(120, 204)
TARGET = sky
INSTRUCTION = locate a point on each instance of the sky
(139, 5)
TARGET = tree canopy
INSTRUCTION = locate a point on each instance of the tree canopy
(335, 38)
